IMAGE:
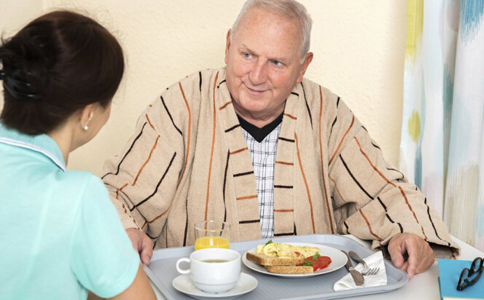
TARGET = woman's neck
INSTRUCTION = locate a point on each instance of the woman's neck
(64, 137)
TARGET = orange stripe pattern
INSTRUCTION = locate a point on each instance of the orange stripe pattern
(149, 121)
(388, 181)
(247, 197)
(305, 182)
(337, 190)
(372, 165)
(225, 105)
(238, 151)
(147, 160)
(342, 140)
(369, 226)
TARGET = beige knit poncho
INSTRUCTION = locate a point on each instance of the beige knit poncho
(188, 162)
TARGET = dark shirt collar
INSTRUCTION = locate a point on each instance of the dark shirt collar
(259, 134)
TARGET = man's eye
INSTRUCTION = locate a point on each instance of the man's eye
(247, 55)
(276, 63)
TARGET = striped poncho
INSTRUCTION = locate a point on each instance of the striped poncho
(188, 162)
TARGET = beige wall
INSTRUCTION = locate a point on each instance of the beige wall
(358, 53)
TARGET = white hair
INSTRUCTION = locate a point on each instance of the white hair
(288, 8)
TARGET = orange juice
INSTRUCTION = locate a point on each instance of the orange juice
(211, 242)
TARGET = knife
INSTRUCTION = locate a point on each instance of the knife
(357, 276)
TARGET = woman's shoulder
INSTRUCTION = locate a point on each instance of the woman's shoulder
(82, 183)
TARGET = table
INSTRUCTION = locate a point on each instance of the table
(423, 286)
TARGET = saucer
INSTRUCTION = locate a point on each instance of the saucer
(184, 284)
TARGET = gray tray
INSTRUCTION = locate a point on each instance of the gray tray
(162, 271)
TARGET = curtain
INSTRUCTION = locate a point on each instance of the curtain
(442, 141)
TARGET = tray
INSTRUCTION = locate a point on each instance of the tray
(162, 271)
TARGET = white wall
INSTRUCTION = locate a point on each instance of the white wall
(358, 53)
(15, 13)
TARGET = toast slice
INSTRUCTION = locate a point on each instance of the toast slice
(290, 269)
(265, 260)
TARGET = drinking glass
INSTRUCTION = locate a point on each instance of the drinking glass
(212, 234)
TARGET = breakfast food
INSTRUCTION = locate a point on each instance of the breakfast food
(265, 260)
(288, 259)
(286, 250)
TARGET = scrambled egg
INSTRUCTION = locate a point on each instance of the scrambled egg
(286, 250)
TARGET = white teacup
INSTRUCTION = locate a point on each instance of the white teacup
(212, 270)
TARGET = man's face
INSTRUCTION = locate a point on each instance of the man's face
(263, 65)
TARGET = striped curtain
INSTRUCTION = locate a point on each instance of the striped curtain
(442, 144)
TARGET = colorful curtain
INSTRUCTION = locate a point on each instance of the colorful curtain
(442, 144)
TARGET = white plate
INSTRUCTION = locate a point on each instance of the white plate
(338, 260)
(184, 284)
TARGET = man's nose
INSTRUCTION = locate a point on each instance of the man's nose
(258, 74)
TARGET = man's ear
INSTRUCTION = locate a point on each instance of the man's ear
(304, 67)
(227, 46)
(86, 115)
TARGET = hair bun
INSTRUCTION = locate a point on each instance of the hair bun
(17, 86)
(26, 64)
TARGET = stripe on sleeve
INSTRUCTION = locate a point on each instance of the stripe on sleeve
(127, 152)
(369, 225)
(432, 222)
(387, 215)
(158, 185)
(169, 115)
(149, 121)
(342, 140)
(411, 209)
(372, 165)
(337, 190)
(147, 160)
(354, 179)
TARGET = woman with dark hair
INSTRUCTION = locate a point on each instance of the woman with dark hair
(60, 234)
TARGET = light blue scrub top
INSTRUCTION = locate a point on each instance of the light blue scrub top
(59, 233)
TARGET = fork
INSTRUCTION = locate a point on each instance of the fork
(366, 270)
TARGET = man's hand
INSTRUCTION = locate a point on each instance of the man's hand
(420, 255)
(141, 244)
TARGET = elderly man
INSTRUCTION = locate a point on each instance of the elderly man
(272, 153)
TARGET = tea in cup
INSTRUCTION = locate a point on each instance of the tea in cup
(212, 270)
(212, 234)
